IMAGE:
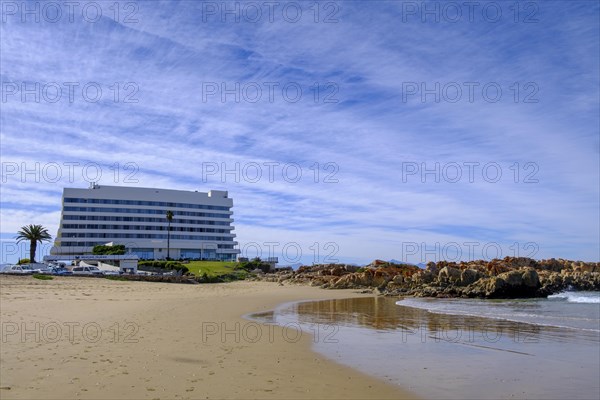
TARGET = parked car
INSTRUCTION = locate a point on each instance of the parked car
(5, 266)
(60, 271)
(56, 265)
(110, 272)
(17, 269)
(86, 271)
(38, 268)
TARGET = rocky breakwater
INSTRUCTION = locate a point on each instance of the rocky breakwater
(511, 277)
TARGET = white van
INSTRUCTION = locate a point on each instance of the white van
(17, 269)
(86, 271)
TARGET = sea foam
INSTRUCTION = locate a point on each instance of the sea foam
(578, 297)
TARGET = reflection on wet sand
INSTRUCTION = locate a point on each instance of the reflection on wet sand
(443, 356)
(382, 313)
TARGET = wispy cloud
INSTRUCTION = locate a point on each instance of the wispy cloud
(162, 110)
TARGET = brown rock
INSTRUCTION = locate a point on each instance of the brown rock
(494, 285)
(431, 267)
(378, 263)
(449, 274)
(469, 276)
(530, 278)
(512, 278)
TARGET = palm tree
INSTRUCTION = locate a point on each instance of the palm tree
(35, 234)
(169, 219)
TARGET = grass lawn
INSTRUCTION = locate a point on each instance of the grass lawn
(211, 268)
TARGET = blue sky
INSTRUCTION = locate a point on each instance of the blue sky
(370, 132)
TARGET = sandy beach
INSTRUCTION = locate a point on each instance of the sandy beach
(95, 338)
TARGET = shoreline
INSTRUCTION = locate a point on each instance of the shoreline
(441, 355)
(141, 340)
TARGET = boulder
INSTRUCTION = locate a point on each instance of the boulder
(351, 268)
(519, 262)
(380, 278)
(421, 277)
(512, 278)
(530, 278)
(431, 267)
(589, 267)
(469, 276)
(449, 274)
(497, 267)
(494, 286)
(355, 280)
(551, 265)
(377, 263)
(426, 291)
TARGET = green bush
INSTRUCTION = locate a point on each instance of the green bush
(255, 263)
(43, 277)
(183, 269)
(116, 250)
(205, 278)
(242, 275)
(24, 261)
(169, 265)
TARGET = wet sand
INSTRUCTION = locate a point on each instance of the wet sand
(96, 338)
(451, 356)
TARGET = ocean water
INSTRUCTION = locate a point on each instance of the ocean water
(574, 310)
(461, 349)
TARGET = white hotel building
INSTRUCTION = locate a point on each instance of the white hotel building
(136, 217)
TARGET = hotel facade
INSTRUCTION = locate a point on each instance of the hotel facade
(201, 227)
